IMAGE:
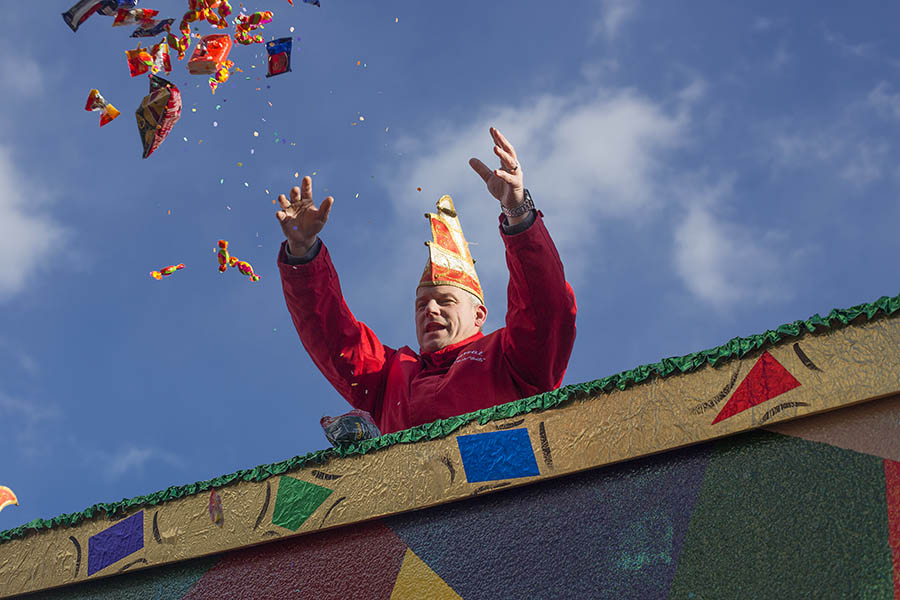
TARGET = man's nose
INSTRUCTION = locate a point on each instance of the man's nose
(432, 308)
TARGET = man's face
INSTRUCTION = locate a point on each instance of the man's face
(446, 315)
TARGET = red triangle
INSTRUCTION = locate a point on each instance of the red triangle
(765, 380)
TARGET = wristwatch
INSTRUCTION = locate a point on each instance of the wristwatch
(527, 204)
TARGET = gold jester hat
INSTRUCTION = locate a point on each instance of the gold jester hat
(449, 260)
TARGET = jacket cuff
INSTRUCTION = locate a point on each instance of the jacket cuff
(519, 227)
(302, 260)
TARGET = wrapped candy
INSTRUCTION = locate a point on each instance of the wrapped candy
(351, 427)
(152, 28)
(156, 59)
(220, 76)
(244, 24)
(165, 271)
(246, 269)
(227, 260)
(224, 257)
(7, 497)
(95, 101)
(210, 54)
(279, 56)
(134, 16)
(215, 12)
(139, 60)
(158, 113)
(83, 9)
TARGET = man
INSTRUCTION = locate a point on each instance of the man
(457, 369)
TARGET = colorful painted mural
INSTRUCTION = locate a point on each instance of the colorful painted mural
(758, 515)
(647, 484)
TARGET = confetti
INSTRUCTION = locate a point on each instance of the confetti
(418, 189)
(246, 184)
(291, 29)
(297, 174)
(240, 164)
(218, 106)
(362, 118)
(221, 181)
(255, 134)
(357, 195)
(252, 151)
(396, 19)
(215, 123)
(386, 129)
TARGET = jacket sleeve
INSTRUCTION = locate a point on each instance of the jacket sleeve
(347, 352)
(540, 316)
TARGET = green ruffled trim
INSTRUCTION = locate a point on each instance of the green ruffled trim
(735, 348)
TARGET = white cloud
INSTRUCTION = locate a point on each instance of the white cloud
(723, 262)
(587, 158)
(614, 15)
(884, 102)
(19, 74)
(28, 233)
(865, 164)
(592, 160)
(861, 50)
(27, 422)
(133, 458)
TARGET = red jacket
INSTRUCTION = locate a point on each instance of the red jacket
(401, 388)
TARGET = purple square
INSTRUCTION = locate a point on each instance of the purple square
(116, 542)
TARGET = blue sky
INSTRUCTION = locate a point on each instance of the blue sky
(707, 171)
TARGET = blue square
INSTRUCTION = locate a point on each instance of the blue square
(497, 455)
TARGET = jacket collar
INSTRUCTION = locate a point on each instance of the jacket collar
(445, 356)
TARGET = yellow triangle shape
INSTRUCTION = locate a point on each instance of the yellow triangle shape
(416, 581)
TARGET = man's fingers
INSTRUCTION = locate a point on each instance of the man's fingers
(501, 141)
(510, 178)
(480, 168)
(306, 188)
(295, 194)
(325, 209)
(283, 202)
(508, 160)
(281, 216)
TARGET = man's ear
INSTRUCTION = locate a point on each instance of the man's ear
(480, 315)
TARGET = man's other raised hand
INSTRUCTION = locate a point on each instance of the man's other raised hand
(506, 184)
(300, 220)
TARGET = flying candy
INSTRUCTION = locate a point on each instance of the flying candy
(158, 113)
(224, 257)
(152, 28)
(165, 271)
(220, 76)
(83, 9)
(313, 2)
(95, 101)
(210, 54)
(244, 24)
(245, 269)
(215, 12)
(156, 59)
(226, 260)
(279, 56)
(134, 16)
(7, 497)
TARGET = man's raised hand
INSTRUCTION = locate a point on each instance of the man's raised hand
(506, 184)
(300, 220)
